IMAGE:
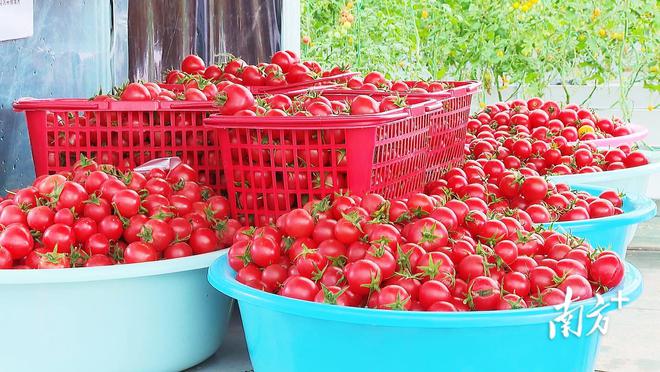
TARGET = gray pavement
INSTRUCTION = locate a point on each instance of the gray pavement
(633, 338)
(647, 236)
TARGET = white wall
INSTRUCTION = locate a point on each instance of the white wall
(290, 36)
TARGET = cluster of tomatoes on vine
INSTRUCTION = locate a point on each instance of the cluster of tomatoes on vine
(425, 253)
(541, 136)
(96, 215)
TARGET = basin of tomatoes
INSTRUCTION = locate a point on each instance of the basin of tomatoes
(547, 119)
(488, 187)
(541, 136)
(554, 156)
(424, 253)
(96, 215)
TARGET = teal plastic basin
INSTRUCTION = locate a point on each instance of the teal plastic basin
(285, 334)
(612, 233)
(155, 316)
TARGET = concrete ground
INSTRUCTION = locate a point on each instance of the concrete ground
(633, 338)
(631, 343)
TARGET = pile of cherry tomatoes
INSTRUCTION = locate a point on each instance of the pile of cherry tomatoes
(236, 100)
(96, 215)
(285, 68)
(540, 136)
(375, 81)
(423, 253)
(314, 104)
(545, 119)
(488, 187)
(471, 241)
(195, 81)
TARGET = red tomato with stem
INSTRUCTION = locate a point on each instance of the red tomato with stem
(193, 64)
(137, 252)
(393, 297)
(234, 98)
(127, 203)
(300, 288)
(135, 92)
(363, 277)
(59, 237)
(362, 104)
(483, 293)
(429, 233)
(607, 270)
(204, 240)
(17, 240)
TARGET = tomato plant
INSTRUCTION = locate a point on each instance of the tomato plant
(580, 42)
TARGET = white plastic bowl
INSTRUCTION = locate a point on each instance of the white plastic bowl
(155, 316)
(629, 180)
(638, 133)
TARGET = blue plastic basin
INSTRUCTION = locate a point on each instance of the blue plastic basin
(612, 233)
(155, 316)
(285, 334)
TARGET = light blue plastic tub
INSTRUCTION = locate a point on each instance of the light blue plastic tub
(630, 181)
(285, 334)
(612, 233)
(155, 316)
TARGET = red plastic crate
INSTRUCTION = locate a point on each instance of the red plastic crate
(448, 121)
(275, 164)
(339, 89)
(125, 134)
(449, 128)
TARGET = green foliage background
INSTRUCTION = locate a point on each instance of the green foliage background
(529, 44)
